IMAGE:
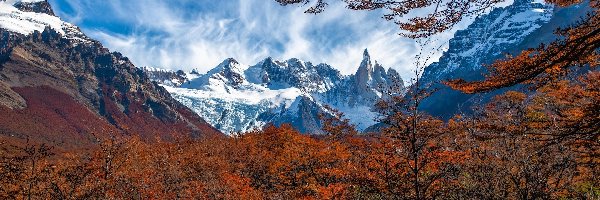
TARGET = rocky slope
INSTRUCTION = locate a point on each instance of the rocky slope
(524, 24)
(59, 86)
(235, 97)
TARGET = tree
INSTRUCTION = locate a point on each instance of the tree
(336, 125)
(443, 15)
(507, 160)
(426, 161)
(560, 115)
(578, 46)
(25, 171)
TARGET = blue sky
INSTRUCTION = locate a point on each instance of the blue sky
(188, 34)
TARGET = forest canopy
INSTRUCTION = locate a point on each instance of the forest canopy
(541, 142)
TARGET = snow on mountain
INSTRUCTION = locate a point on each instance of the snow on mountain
(235, 97)
(489, 36)
(509, 30)
(167, 77)
(13, 2)
(27, 16)
(235, 110)
(70, 91)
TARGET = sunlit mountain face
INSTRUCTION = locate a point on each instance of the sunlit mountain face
(61, 87)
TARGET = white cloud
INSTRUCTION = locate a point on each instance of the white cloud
(159, 33)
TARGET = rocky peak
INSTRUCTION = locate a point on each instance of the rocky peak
(17, 16)
(366, 55)
(394, 75)
(293, 73)
(364, 72)
(231, 61)
(395, 82)
(166, 77)
(296, 64)
(372, 82)
(487, 38)
(366, 65)
(230, 71)
(37, 6)
(379, 76)
(378, 72)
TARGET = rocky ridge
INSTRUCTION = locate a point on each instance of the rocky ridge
(235, 97)
(509, 30)
(59, 74)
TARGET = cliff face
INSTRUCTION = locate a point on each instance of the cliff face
(58, 85)
(509, 30)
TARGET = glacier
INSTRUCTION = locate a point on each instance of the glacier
(236, 98)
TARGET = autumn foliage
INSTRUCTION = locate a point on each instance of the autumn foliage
(540, 143)
(491, 157)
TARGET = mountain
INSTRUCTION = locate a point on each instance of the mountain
(235, 97)
(509, 30)
(59, 86)
(166, 77)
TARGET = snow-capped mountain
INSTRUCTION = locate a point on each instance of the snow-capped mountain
(58, 86)
(490, 36)
(28, 16)
(524, 24)
(235, 97)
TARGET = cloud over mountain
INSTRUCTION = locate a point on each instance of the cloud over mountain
(200, 34)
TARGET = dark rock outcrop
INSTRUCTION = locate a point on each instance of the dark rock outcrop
(49, 83)
(37, 7)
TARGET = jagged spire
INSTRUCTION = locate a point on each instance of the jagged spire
(364, 72)
(366, 63)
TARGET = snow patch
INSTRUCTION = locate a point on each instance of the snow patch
(13, 2)
(361, 116)
(26, 23)
(232, 110)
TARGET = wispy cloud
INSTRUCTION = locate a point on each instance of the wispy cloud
(200, 34)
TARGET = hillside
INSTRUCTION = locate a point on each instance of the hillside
(59, 86)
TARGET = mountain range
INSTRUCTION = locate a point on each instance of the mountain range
(236, 98)
(58, 86)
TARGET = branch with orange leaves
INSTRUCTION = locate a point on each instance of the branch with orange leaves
(437, 15)
(578, 46)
